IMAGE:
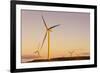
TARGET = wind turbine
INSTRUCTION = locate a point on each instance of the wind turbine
(71, 53)
(48, 30)
(37, 51)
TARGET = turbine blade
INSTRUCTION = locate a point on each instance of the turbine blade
(44, 22)
(43, 40)
(54, 26)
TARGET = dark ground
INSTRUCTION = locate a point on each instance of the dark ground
(62, 59)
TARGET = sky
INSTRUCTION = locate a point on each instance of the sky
(73, 34)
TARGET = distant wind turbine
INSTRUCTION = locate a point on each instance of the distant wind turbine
(37, 51)
(48, 30)
(71, 52)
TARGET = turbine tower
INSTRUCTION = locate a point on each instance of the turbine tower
(48, 30)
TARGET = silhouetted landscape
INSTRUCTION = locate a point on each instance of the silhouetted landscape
(61, 59)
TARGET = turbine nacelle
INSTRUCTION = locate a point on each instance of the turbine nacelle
(49, 30)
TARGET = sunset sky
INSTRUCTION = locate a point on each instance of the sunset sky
(72, 34)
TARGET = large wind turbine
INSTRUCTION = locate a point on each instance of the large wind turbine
(48, 30)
